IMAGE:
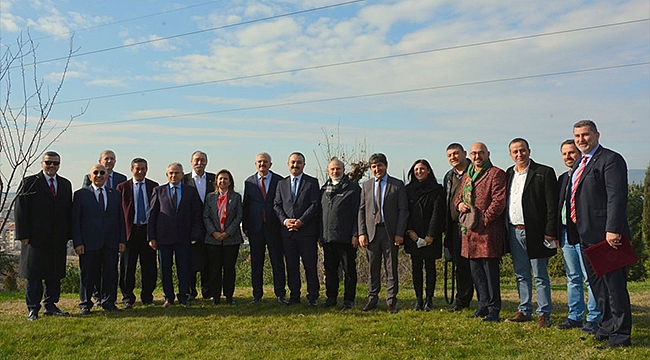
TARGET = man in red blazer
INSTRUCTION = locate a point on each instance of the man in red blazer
(136, 193)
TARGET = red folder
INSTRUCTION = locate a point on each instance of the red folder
(604, 259)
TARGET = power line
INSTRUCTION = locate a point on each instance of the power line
(247, 22)
(129, 19)
(358, 61)
(376, 94)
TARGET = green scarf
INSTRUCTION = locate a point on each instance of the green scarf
(468, 187)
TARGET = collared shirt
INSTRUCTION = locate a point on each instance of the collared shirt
(267, 181)
(588, 156)
(179, 192)
(299, 177)
(96, 191)
(200, 182)
(515, 209)
(136, 189)
(56, 182)
(380, 182)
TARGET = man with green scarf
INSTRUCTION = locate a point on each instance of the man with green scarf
(483, 189)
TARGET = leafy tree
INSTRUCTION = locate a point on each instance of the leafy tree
(635, 203)
(645, 218)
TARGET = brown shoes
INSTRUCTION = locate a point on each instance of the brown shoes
(543, 321)
(519, 317)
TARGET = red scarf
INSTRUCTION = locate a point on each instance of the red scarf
(222, 203)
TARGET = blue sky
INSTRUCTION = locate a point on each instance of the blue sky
(452, 92)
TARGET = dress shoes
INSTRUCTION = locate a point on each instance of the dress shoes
(329, 303)
(418, 305)
(128, 305)
(391, 309)
(609, 345)
(601, 337)
(215, 301)
(491, 318)
(149, 303)
(185, 303)
(480, 313)
(111, 308)
(591, 327)
(55, 311)
(33, 315)
(167, 304)
(372, 304)
(519, 317)
(312, 303)
(569, 324)
(428, 306)
(293, 301)
(457, 308)
(283, 300)
(347, 305)
(84, 311)
(230, 301)
(543, 321)
(256, 300)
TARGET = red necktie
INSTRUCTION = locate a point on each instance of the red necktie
(263, 190)
(574, 188)
(101, 200)
(52, 188)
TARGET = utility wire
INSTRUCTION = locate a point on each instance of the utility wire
(369, 95)
(247, 22)
(358, 61)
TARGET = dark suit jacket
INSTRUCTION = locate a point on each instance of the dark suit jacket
(233, 219)
(395, 206)
(562, 188)
(117, 179)
(128, 202)
(168, 225)
(304, 208)
(94, 228)
(539, 202)
(255, 205)
(601, 197)
(209, 182)
(46, 221)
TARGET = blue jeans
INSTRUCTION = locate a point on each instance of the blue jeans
(576, 274)
(522, 268)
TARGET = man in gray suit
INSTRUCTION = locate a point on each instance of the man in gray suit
(383, 214)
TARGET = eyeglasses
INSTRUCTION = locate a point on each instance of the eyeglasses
(99, 172)
(49, 162)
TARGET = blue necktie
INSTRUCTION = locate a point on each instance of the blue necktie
(294, 186)
(142, 215)
(175, 197)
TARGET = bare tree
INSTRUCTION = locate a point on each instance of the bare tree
(354, 157)
(25, 132)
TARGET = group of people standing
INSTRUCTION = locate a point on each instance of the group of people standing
(479, 213)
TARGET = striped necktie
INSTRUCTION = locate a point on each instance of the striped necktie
(574, 188)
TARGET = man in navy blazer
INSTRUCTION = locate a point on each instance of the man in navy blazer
(262, 227)
(203, 181)
(136, 193)
(297, 200)
(597, 211)
(174, 222)
(98, 234)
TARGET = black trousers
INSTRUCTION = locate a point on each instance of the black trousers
(200, 263)
(336, 254)
(34, 293)
(486, 274)
(138, 248)
(298, 247)
(429, 265)
(98, 271)
(223, 259)
(613, 299)
(166, 255)
(464, 283)
(267, 237)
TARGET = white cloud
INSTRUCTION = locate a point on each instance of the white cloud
(114, 83)
(154, 42)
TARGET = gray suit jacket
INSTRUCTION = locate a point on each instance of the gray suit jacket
(395, 206)
(233, 219)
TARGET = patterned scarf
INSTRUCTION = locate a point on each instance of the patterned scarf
(468, 188)
(222, 203)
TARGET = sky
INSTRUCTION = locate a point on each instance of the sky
(160, 79)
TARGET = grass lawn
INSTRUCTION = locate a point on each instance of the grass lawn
(269, 330)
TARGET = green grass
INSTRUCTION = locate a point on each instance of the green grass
(272, 331)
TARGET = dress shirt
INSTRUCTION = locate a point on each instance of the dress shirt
(56, 183)
(96, 191)
(179, 192)
(200, 184)
(515, 209)
(589, 156)
(299, 177)
(136, 188)
(267, 181)
(381, 182)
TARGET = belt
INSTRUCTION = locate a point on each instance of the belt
(380, 225)
(518, 227)
(140, 226)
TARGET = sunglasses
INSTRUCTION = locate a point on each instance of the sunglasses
(49, 162)
(99, 172)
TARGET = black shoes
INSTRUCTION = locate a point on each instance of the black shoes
(55, 311)
(230, 301)
(591, 327)
(256, 300)
(372, 304)
(283, 300)
(111, 308)
(33, 315)
(457, 308)
(347, 305)
(569, 324)
(312, 303)
(293, 301)
(609, 345)
(419, 304)
(429, 304)
(329, 303)
(84, 311)
(480, 313)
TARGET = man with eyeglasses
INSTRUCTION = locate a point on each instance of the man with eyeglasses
(98, 234)
(43, 214)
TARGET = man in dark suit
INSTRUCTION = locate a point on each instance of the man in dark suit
(572, 255)
(43, 216)
(108, 159)
(98, 235)
(532, 225)
(199, 260)
(296, 204)
(262, 227)
(597, 211)
(383, 216)
(174, 223)
(136, 193)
